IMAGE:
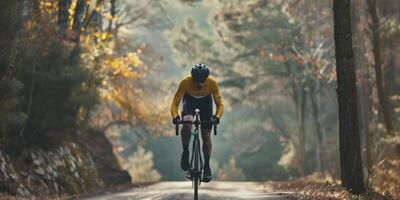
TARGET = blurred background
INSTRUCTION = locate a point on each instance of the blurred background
(77, 69)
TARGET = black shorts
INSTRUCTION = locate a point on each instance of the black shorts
(204, 104)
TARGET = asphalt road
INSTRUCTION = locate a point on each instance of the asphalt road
(207, 191)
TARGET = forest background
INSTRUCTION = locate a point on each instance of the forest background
(112, 67)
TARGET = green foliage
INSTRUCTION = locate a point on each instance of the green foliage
(39, 106)
(10, 102)
(58, 92)
(54, 91)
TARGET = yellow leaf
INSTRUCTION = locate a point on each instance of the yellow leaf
(107, 16)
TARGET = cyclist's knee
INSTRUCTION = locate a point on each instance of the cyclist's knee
(205, 135)
(187, 127)
(187, 118)
(206, 132)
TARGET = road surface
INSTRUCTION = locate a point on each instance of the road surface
(207, 191)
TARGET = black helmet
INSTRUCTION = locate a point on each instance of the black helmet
(200, 73)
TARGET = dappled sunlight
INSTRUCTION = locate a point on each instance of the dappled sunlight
(306, 92)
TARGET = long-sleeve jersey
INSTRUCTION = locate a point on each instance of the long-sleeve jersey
(188, 86)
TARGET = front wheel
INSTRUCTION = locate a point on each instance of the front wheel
(196, 187)
(196, 168)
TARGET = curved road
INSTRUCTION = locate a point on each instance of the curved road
(207, 191)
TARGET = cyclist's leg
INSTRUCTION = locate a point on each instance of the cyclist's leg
(187, 114)
(185, 137)
(207, 145)
(186, 132)
(205, 114)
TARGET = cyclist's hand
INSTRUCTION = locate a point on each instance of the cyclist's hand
(176, 120)
(215, 119)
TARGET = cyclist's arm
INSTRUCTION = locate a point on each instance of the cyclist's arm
(217, 99)
(177, 99)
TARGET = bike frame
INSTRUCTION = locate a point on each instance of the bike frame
(196, 161)
(196, 168)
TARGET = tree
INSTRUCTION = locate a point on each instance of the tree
(359, 24)
(269, 51)
(378, 65)
(349, 139)
(283, 46)
(63, 16)
(11, 18)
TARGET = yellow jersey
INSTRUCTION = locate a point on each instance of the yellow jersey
(187, 85)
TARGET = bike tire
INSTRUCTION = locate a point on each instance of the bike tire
(196, 187)
(196, 169)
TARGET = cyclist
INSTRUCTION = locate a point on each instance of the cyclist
(197, 91)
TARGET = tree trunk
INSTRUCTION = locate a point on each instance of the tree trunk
(299, 99)
(364, 87)
(10, 17)
(78, 16)
(349, 139)
(63, 17)
(77, 28)
(315, 113)
(302, 131)
(113, 12)
(378, 66)
(298, 94)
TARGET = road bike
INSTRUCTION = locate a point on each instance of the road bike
(196, 161)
